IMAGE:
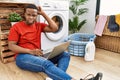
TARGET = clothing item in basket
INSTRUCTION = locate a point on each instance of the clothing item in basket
(100, 25)
(112, 26)
(117, 19)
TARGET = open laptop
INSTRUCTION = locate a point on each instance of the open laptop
(57, 50)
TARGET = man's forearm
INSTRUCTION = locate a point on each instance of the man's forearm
(51, 23)
(18, 49)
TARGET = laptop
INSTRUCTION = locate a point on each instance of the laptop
(57, 50)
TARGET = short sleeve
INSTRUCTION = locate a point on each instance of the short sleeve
(43, 25)
(13, 34)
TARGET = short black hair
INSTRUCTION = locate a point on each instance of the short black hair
(32, 6)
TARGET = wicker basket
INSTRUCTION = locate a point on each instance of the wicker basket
(109, 40)
(110, 43)
(78, 43)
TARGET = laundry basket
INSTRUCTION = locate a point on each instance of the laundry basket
(78, 43)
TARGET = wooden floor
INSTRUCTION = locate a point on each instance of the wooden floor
(105, 61)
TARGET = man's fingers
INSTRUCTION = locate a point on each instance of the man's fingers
(39, 8)
(39, 52)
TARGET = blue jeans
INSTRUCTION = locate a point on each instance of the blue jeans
(40, 64)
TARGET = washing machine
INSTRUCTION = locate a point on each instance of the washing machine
(59, 12)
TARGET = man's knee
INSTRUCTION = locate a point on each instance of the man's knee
(66, 54)
(47, 64)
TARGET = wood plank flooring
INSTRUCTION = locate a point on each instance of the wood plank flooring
(105, 61)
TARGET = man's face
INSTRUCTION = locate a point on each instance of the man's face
(30, 16)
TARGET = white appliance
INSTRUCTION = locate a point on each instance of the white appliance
(59, 12)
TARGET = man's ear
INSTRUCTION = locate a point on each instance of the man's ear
(23, 16)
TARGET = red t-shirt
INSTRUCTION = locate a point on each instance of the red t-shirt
(27, 36)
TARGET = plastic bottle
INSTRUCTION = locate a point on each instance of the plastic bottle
(89, 51)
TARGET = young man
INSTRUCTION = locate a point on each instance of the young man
(25, 39)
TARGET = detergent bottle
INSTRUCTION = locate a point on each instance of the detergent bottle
(89, 51)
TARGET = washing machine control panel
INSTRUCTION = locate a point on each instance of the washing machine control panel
(54, 5)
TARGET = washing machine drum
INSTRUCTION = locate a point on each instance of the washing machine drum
(55, 36)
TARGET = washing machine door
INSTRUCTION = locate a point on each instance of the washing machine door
(62, 24)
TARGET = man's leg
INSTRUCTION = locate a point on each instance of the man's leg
(62, 60)
(39, 64)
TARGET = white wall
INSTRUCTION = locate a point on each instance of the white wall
(111, 8)
(18, 1)
(90, 16)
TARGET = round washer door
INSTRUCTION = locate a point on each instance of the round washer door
(62, 24)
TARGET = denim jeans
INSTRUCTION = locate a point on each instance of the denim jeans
(40, 64)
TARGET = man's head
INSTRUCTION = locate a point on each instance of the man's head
(30, 13)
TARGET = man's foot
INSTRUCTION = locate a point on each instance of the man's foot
(97, 77)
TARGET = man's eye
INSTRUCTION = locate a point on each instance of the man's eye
(34, 15)
(28, 14)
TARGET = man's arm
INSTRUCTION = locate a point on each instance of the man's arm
(15, 48)
(52, 26)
